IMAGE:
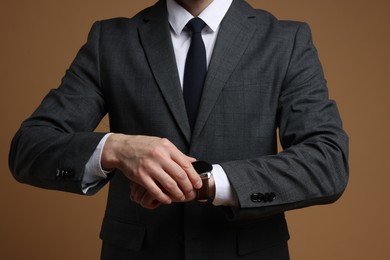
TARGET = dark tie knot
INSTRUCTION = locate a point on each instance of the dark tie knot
(196, 25)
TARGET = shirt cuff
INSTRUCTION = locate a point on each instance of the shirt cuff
(225, 195)
(93, 172)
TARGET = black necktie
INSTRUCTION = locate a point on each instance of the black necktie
(195, 70)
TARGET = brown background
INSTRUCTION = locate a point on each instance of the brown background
(40, 38)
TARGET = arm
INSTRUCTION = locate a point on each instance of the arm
(313, 167)
(53, 146)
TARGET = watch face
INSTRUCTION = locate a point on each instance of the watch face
(202, 167)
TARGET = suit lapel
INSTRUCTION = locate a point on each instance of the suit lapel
(234, 35)
(156, 41)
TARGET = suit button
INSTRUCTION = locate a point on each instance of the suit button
(255, 197)
(68, 174)
(258, 197)
(269, 197)
(272, 196)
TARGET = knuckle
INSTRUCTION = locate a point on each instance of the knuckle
(186, 165)
(154, 192)
(141, 177)
(181, 176)
(165, 142)
(187, 190)
(137, 173)
(157, 152)
(170, 185)
(144, 204)
(146, 165)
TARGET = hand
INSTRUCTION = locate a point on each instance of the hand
(154, 163)
(141, 196)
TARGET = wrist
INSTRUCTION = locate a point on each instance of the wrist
(109, 159)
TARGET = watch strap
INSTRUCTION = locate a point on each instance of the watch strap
(203, 194)
(204, 170)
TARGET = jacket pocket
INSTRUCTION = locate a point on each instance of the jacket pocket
(120, 233)
(262, 234)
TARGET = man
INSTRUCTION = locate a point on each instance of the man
(263, 75)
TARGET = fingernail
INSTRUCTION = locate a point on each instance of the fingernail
(198, 184)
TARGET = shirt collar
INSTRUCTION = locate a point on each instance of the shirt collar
(178, 17)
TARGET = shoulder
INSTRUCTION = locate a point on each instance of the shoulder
(266, 18)
(118, 29)
(266, 21)
(287, 32)
(124, 23)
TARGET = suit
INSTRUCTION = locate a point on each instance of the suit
(264, 76)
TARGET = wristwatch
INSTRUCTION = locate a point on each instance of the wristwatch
(204, 170)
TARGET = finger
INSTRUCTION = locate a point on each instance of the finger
(149, 202)
(180, 177)
(159, 183)
(133, 189)
(156, 192)
(139, 194)
(192, 159)
(191, 195)
(136, 190)
(183, 161)
(169, 185)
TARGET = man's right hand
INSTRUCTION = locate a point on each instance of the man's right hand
(154, 163)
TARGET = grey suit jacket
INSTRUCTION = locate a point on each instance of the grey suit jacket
(264, 77)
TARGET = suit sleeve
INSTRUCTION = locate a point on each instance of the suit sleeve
(313, 166)
(51, 148)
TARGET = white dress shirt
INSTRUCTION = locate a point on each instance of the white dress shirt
(181, 39)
